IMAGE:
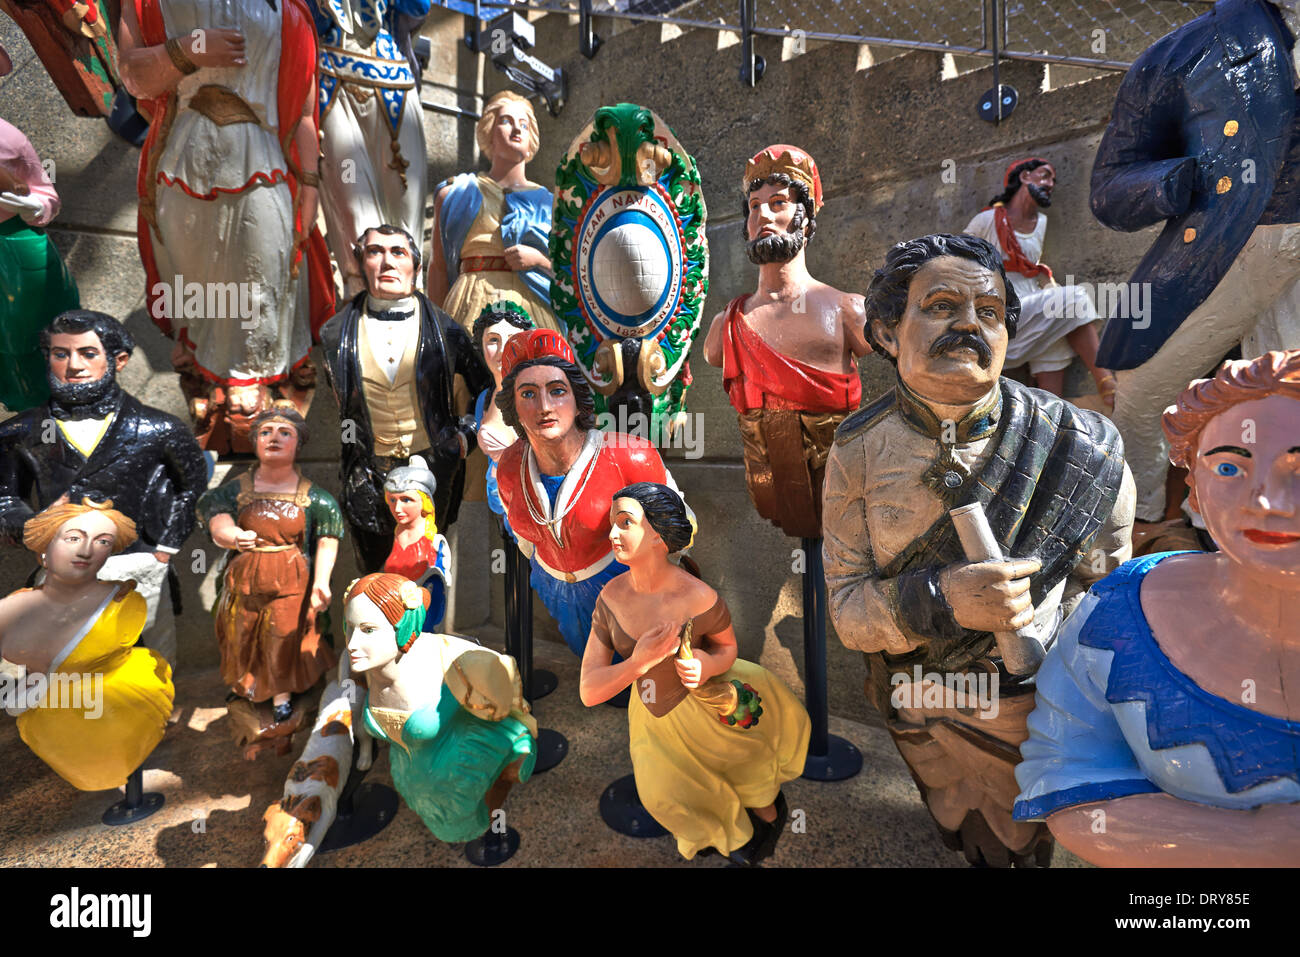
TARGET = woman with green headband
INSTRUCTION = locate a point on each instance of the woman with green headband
(460, 730)
(492, 330)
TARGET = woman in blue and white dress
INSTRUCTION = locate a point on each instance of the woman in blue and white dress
(1167, 727)
(491, 231)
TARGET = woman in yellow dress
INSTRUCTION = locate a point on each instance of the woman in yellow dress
(96, 704)
(713, 737)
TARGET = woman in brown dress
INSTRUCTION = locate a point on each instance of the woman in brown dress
(286, 533)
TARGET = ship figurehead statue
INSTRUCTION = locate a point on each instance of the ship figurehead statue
(631, 265)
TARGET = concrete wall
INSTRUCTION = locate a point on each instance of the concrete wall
(881, 126)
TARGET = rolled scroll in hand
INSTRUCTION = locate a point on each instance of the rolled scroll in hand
(1021, 650)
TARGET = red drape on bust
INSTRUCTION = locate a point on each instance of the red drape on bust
(1013, 257)
(756, 376)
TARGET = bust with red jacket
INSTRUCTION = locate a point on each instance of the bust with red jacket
(558, 484)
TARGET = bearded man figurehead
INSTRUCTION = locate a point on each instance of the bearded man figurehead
(783, 194)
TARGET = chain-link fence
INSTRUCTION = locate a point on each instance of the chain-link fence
(1107, 33)
(1104, 34)
(713, 14)
(926, 24)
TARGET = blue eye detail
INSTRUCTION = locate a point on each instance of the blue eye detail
(1227, 469)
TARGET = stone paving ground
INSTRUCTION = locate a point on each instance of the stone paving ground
(215, 801)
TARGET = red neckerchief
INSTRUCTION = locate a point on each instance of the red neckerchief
(1013, 257)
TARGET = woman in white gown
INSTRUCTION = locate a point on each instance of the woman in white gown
(227, 183)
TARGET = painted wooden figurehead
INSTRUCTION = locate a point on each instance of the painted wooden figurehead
(1164, 709)
(631, 264)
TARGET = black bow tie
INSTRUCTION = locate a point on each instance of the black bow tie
(390, 315)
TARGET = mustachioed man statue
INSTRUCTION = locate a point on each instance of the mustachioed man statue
(788, 350)
(1058, 497)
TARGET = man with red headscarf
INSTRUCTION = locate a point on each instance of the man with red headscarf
(788, 350)
(1056, 322)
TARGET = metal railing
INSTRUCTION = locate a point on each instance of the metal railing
(1100, 34)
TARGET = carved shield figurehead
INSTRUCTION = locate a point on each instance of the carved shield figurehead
(631, 260)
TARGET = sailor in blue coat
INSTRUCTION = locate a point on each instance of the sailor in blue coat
(1205, 137)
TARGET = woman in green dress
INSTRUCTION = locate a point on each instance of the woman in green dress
(35, 285)
(454, 712)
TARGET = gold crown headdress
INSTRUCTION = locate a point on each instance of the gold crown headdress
(791, 161)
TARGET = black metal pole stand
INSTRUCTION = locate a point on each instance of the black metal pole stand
(830, 758)
(588, 40)
(137, 805)
(752, 65)
(997, 79)
(551, 745)
(537, 682)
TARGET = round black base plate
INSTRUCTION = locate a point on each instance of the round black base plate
(492, 849)
(988, 103)
(373, 807)
(150, 803)
(621, 809)
(841, 760)
(551, 749)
